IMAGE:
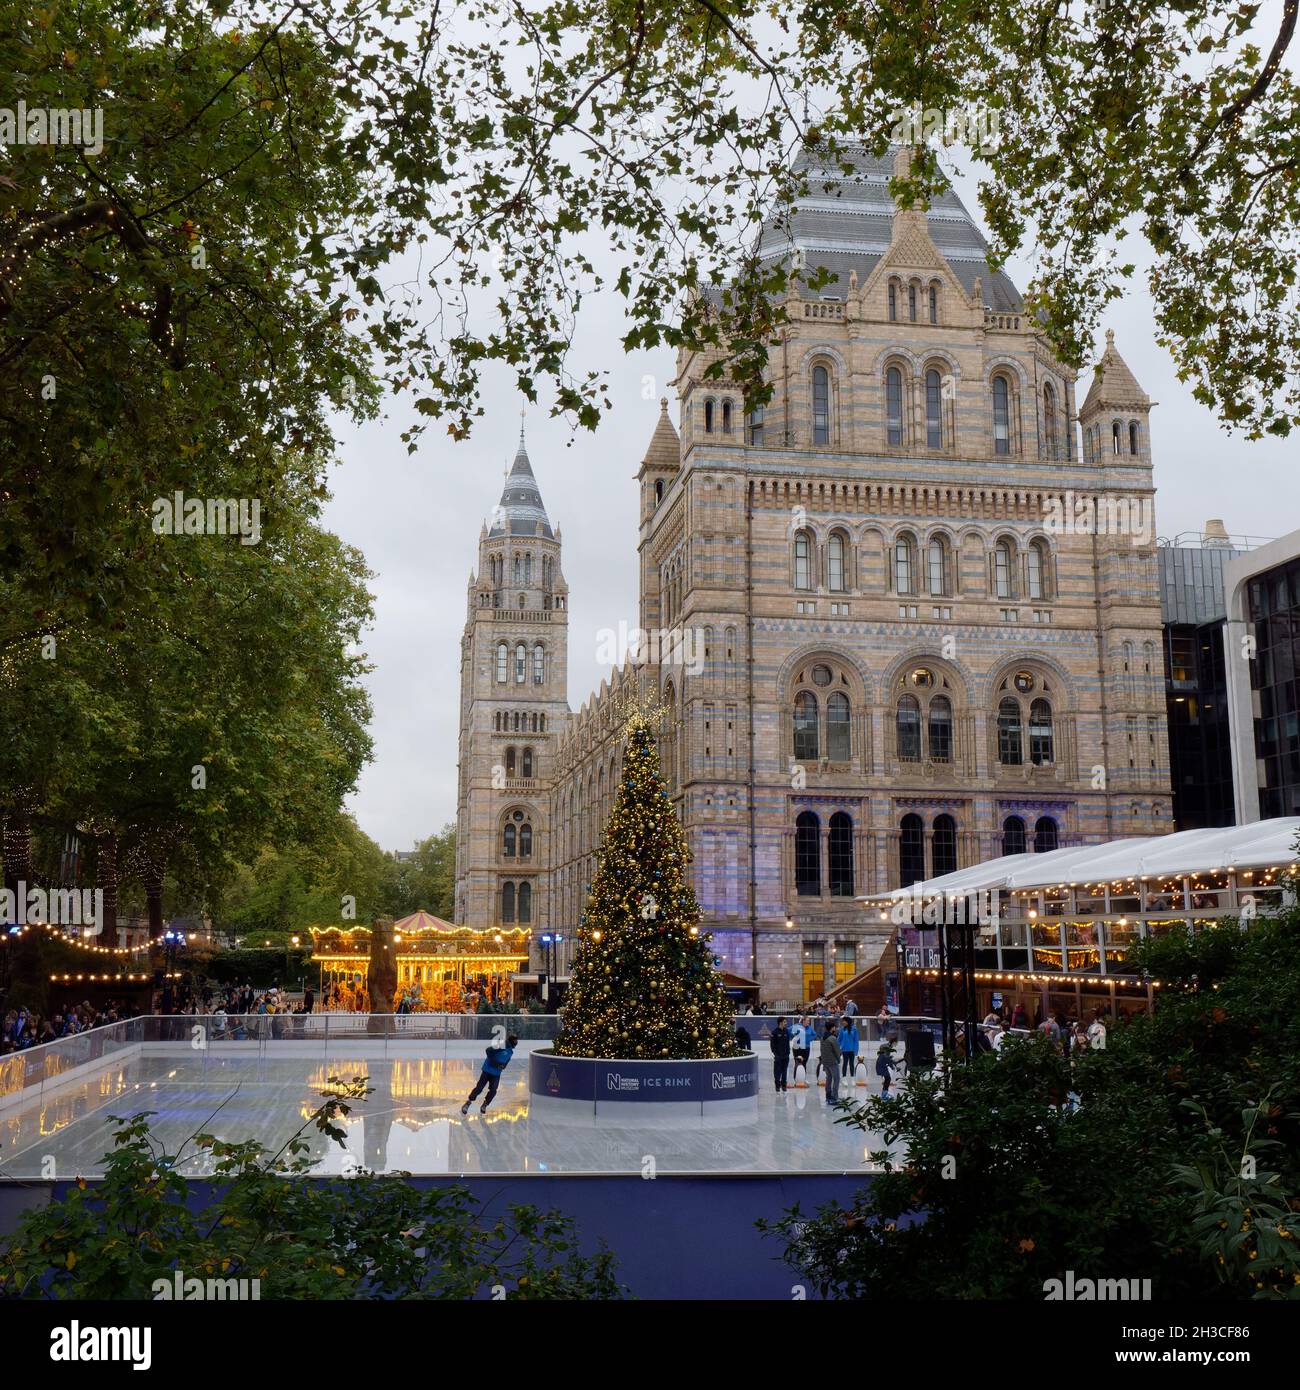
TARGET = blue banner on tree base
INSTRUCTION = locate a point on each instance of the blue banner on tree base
(591, 1079)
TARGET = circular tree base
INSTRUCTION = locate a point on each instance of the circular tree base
(632, 1091)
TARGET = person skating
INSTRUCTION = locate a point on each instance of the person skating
(494, 1063)
(884, 1068)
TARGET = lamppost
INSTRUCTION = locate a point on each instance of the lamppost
(957, 977)
(550, 958)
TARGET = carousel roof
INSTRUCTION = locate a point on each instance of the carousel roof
(424, 921)
(419, 922)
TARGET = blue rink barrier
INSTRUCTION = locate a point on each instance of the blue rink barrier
(627, 1080)
(688, 1238)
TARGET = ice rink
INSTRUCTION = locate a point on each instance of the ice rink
(411, 1121)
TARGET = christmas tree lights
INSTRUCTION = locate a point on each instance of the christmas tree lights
(643, 982)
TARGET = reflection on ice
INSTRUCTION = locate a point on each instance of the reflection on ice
(411, 1121)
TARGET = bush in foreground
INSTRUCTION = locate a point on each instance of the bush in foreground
(1173, 1155)
(368, 1236)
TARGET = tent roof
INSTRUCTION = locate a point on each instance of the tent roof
(1260, 844)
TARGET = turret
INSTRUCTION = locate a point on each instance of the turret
(660, 464)
(1115, 416)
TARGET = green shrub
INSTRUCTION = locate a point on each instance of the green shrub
(368, 1236)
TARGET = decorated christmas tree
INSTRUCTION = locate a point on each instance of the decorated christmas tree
(643, 981)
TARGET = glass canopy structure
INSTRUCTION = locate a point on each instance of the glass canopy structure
(1073, 914)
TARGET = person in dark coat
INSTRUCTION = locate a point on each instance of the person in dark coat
(830, 1060)
(780, 1054)
(742, 1039)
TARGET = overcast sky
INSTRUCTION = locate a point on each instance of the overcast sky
(417, 519)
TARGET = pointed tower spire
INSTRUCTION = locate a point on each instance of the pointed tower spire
(521, 511)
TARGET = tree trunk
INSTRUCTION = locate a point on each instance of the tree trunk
(106, 882)
(152, 878)
(18, 851)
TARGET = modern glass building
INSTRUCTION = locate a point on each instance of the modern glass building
(1194, 608)
(1262, 651)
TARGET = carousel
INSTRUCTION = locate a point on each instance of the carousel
(441, 968)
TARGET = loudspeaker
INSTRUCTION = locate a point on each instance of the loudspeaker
(920, 1049)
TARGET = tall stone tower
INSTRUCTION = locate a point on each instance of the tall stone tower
(513, 709)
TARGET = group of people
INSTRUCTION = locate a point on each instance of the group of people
(24, 1028)
(446, 996)
(837, 1042)
(1069, 1034)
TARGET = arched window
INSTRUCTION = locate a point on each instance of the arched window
(894, 405)
(526, 763)
(708, 417)
(1003, 569)
(1036, 569)
(911, 850)
(546, 571)
(943, 845)
(539, 664)
(805, 725)
(1114, 437)
(835, 562)
(508, 842)
(893, 302)
(1046, 835)
(518, 569)
(521, 664)
(911, 303)
(525, 902)
(907, 726)
(807, 855)
(507, 902)
(726, 417)
(803, 561)
(939, 733)
(837, 728)
(756, 426)
(659, 490)
(839, 855)
(933, 410)
(904, 565)
(510, 762)
(525, 841)
(503, 662)
(1011, 750)
(1051, 423)
(936, 567)
(528, 569)
(821, 405)
(1040, 733)
(1013, 835)
(934, 304)
(1001, 416)
(1132, 437)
